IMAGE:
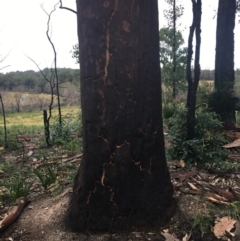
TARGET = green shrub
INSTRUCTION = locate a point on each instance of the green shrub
(71, 127)
(206, 147)
(46, 176)
(15, 181)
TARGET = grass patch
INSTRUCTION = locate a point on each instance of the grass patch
(35, 118)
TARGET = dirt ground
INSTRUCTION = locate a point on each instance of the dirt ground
(197, 192)
(42, 220)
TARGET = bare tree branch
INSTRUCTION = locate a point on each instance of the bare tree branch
(3, 59)
(4, 67)
(55, 60)
(69, 9)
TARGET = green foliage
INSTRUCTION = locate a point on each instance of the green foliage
(169, 106)
(169, 14)
(75, 53)
(206, 147)
(32, 81)
(232, 210)
(169, 78)
(16, 183)
(70, 128)
(19, 186)
(46, 176)
(223, 100)
(12, 135)
(202, 223)
(204, 91)
(72, 146)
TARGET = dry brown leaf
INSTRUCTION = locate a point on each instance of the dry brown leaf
(226, 194)
(186, 237)
(192, 186)
(169, 237)
(215, 200)
(235, 143)
(182, 163)
(224, 224)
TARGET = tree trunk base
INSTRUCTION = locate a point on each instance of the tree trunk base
(100, 214)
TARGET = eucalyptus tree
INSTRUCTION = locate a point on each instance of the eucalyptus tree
(224, 63)
(123, 182)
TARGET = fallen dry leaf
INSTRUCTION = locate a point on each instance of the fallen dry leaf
(186, 237)
(192, 186)
(224, 224)
(182, 163)
(169, 237)
(215, 200)
(235, 143)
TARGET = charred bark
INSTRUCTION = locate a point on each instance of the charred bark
(224, 60)
(4, 122)
(193, 83)
(123, 182)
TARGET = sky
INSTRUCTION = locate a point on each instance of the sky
(23, 27)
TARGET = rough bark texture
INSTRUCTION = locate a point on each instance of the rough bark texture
(193, 84)
(123, 182)
(224, 60)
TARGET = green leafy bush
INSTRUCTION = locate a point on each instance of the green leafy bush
(206, 147)
(71, 127)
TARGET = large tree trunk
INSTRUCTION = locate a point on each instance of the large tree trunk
(123, 182)
(224, 61)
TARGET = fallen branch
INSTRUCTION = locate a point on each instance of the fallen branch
(11, 218)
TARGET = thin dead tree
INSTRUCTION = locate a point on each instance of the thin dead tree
(54, 61)
(2, 59)
(193, 82)
(4, 121)
(2, 104)
(46, 116)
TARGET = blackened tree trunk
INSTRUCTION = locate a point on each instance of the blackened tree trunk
(224, 60)
(193, 82)
(123, 182)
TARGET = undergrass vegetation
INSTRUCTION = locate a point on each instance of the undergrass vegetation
(15, 182)
(26, 163)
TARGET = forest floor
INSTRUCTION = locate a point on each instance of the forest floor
(207, 202)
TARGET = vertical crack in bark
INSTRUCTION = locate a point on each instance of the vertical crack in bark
(111, 198)
(103, 176)
(107, 53)
(90, 193)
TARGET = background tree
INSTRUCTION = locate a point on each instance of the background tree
(75, 52)
(224, 63)
(122, 182)
(175, 80)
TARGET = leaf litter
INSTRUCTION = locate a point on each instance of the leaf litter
(196, 192)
